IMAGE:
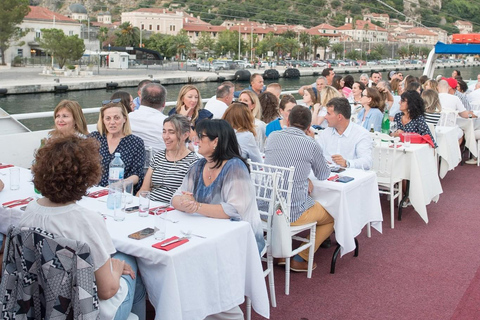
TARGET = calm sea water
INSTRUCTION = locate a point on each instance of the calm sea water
(26, 103)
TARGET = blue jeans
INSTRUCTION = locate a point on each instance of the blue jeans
(135, 300)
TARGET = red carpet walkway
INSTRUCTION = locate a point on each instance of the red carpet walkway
(415, 271)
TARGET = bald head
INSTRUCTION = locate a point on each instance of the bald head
(443, 86)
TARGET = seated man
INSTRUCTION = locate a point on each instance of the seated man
(345, 143)
(224, 97)
(293, 147)
(256, 85)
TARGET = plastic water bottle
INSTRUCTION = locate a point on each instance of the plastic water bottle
(386, 123)
(115, 174)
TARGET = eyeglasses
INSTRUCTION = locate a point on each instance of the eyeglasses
(104, 102)
(403, 100)
(201, 135)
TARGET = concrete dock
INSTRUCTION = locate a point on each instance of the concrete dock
(21, 80)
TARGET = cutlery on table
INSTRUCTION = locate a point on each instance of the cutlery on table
(174, 241)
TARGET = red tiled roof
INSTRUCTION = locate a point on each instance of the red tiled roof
(154, 10)
(360, 24)
(421, 32)
(202, 27)
(324, 26)
(468, 23)
(40, 13)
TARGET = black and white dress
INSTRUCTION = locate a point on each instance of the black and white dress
(167, 175)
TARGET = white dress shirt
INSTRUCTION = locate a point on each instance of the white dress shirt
(216, 107)
(354, 145)
(248, 146)
(147, 123)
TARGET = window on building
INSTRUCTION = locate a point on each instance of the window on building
(20, 53)
(150, 27)
(38, 34)
(172, 27)
(70, 33)
(158, 27)
(142, 27)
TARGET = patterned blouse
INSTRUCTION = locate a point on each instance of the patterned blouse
(132, 153)
(417, 125)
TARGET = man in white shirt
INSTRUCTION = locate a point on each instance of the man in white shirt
(375, 77)
(147, 121)
(474, 96)
(449, 101)
(345, 143)
(224, 97)
(319, 84)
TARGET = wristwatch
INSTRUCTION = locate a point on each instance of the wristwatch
(470, 115)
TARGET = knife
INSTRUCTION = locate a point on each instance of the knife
(172, 241)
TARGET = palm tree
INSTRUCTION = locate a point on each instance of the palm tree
(127, 35)
(324, 43)
(278, 45)
(337, 48)
(102, 35)
(182, 44)
(403, 52)
(380, 49)
(291, 45)
(304, 37)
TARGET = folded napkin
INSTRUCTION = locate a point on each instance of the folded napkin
(15, 203)
(98, 194)
(170, 246)
(152, 210)
(4, 166)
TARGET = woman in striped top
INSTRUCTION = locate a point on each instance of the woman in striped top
(169, 166)
(432, 106)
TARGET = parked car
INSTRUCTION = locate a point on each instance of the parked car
(191, 63)
(204, 66)
(220, 65)
(242, 64)
(317, 63)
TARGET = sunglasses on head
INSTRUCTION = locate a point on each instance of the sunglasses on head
(104, 102)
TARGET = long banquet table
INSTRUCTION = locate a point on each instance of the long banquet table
(448, 149)
(352, 205)
(201, 277)
(469, 126)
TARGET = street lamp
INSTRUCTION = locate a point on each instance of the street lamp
(108, 58)
(239, 36)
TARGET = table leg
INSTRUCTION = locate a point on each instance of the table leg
(335, 256)
(405, 197)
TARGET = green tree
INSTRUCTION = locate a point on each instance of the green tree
(304, 39)
(182, 44)
(381, 50)
(205, 42)
(289, 34)
(403, 52)
(354, 55)
(225, 42)
(162, 43)
(102, 35)
(63, 48)
(12, 13)
(324, 43)
(291, 46)
(337, 48)
(127, 35)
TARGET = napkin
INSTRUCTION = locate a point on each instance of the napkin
(16, 203)
(170, 246)
(152, 210)
(4, 166)
(98, 194)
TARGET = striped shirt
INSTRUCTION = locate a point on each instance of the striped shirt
(432, 118)
(167, 175)
(292, 147)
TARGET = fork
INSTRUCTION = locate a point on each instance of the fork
(189, 233)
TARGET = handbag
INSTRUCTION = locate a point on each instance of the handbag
(281, 240)
(417, 138)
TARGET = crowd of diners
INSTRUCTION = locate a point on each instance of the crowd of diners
(200, 155)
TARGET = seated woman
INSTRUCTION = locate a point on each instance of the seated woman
(189, 104)
(125, 98)
(241, 120)
(219, 185)
(433, 107)
(115, 135)
(410, 118)
(269, 103)
(69, 120)
(355, 99)
(286, 105)
(372, 113)
(251, 100)
(347, 85)
(169, 166)
(63, 171)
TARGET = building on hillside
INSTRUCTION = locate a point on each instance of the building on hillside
(78, 12)
(364, 31)
(380, 17)
(155, 20)
(421, 36)
(464, 26)
(104, 17)
(37, 19)
(442, 35)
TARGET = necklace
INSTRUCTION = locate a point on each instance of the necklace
(209, 173)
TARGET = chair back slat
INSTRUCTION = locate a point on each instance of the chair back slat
(384, 154)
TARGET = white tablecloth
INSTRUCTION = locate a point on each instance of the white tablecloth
(448, 148)
(418, 164)
(352, 205)
(12, 216)
(201, 277)
(192, 281)
(469, 126)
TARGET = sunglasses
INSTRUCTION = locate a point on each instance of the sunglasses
(104, 102)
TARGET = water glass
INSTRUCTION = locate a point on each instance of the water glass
(14, 178)
(128, 190)
(160, 223)
(143, 203)
(118, 205)
(407, 139)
